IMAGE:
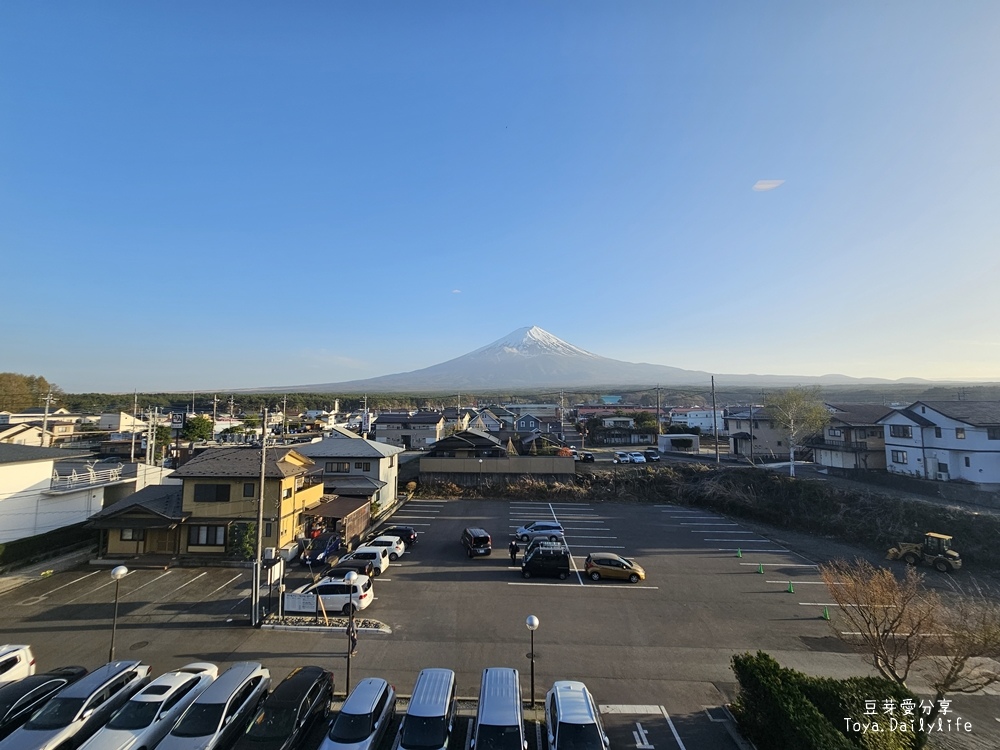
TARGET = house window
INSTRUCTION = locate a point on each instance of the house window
(942, 468)
(211, 493)
(899, 457)
(363, 465)
(338, 467)
(249, 489)
(268, 529)
(968, 462)
(133, 535)
(834, 433)
(960, 433)
(206, 536)
(900, 431)
(779, 443)
(993, 433)
(937, 432)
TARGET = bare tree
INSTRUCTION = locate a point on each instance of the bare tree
(897, 623)
(800, 412)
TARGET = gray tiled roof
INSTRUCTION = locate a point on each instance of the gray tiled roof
(859, 414)
(241, 462)
(15, 454)
(162, 499)
(978, 413)
(421, 417)
(333, 448)
(352, 485)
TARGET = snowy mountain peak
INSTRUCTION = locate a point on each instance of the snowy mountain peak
(532, 342)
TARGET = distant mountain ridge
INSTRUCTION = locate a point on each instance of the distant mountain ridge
(531, 357)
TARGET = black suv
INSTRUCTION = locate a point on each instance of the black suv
(548, 560)
(407, 533)
(651, 455)
(477, 542)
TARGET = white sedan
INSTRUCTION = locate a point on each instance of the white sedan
(636, 458)
(393, 544)
(152, 712)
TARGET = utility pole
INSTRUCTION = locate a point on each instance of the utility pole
(135, 414)
(215, 412)
(259, 547)
(151, 440)
(658, 423)
(284, 420)
(45, 420)
(751, 431)
(715, 422)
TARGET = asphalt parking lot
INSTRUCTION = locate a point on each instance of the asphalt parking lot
(654, 654)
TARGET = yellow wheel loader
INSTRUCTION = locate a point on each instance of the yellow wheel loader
(934, 550)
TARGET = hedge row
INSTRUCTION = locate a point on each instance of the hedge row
(46, 545)
(782, 709)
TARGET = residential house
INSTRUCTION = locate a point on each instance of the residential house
(853, 439)
(549, 411)
(469, 443)
(627, 423)
(351, 466)
(220, 491)
(754, 434)
(945, 441)
(706, 419)
(45, 489)
(528, 423)
(37, 414)
(485, 421)
(120, 422)
(25, 433)
(409, 430)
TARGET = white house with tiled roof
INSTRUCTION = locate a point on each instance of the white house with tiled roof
(945, 441)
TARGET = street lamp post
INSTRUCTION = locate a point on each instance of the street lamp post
(479, 484)
(117, 573)
(532, 624)
(352, 637)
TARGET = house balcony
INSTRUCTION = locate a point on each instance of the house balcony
(836, 445)
(89, 476)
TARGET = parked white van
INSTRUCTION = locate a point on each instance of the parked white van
(377, 556)
(335, 593)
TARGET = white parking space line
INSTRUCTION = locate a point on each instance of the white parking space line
(595, 585)
(191, 581)
(673, 729)
(755, 540)
(697, 518)
(399, 517)
(76, 580)
(147, 583)
(781, 565)
(710, 524)
(803, 583)
(714, 531)
(231, 580)
(629, 710)
(745, 549)
(581, 536)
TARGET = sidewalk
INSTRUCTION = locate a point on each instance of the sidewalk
(17, 578)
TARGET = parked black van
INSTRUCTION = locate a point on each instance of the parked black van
(477, 542)
(552, 561)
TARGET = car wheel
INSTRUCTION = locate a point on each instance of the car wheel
(346, 610)
(634, 578)
(562, 576)
(524, 537)
(595, 576)
(525, 574)
(377, 572)
(942, 566)
(911, 558)
(553, 539)
(393, 557)
(469, 554)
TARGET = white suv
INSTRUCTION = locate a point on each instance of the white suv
(15, 662)
(572, 717)
(392, 543)
(377, 556)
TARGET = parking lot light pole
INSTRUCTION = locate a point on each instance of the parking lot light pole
(532, 623)
(117, 573)
(349, 579)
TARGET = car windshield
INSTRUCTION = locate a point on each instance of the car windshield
(498, 738)
(351, 727)
(135, 715)
(200, 720)
(272, 724)
(579, 737)
(57, 713)
(423, 732)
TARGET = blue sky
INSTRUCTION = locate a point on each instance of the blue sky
(226, 195)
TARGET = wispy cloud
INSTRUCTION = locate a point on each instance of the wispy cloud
(762, 186)
(456, 291)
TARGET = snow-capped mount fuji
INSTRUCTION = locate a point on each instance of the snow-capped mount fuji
(526, 358)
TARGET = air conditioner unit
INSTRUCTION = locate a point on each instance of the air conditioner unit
(942, 477)
(270, 552)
